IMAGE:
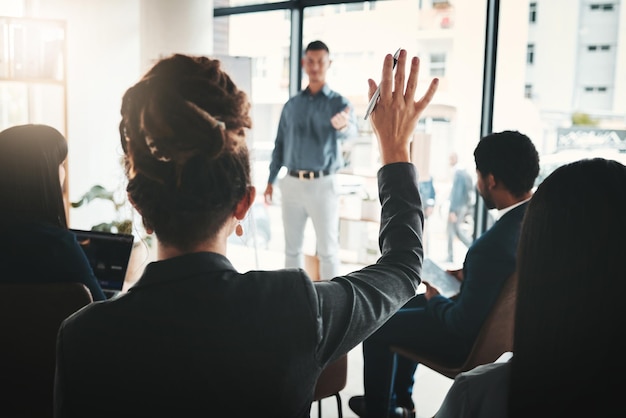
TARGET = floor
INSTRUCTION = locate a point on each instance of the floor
(428, 392)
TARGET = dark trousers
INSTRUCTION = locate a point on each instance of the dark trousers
(388, 378)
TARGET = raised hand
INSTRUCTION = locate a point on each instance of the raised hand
(396, 113)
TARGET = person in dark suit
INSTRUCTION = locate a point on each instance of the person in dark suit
(507, 164)
(569, 307)
(195, 337)
(37, 246)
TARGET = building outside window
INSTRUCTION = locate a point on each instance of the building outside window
(530, 54)
(528, 91)
(438, 65)
(532, 12)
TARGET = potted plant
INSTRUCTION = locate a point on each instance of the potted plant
(119, 225)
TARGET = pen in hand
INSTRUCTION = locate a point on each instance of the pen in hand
(374, 99)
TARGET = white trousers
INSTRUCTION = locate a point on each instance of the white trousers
(317, 199)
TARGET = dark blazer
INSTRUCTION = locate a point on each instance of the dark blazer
(42, 253)
(489, 261)
(196, 338)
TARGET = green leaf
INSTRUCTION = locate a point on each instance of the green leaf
(96, 192)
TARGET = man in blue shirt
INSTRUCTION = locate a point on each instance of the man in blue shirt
(312, 126)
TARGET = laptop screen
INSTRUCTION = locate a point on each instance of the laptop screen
(108, 254)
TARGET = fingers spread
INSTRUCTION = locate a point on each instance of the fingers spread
(428, 96)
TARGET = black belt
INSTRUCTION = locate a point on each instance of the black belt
(307, 174)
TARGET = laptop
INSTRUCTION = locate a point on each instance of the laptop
(108, 253)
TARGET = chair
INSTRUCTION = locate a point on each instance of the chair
(30, 316)
(495, 336)
(331, 381)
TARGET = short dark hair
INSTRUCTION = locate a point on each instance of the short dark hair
(317, 46)
(511, 157)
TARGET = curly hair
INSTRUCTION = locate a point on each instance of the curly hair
(183, 134)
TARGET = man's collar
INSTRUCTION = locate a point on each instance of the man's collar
(503, 211)
(325, 90)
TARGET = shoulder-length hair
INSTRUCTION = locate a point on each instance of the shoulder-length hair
(30, 156)
(571, 316)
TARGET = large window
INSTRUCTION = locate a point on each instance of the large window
(545, 99)
(268, 75)
(451, 124)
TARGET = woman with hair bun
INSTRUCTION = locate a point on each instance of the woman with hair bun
(194, 337)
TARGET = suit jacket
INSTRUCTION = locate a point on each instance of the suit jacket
(489, 261)
(194, 337)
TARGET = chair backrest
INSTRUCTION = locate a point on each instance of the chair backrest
(330, 382)
(30, 316)
(495, 336)
(332, 379)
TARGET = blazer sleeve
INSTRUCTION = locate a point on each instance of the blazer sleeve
(350, 308)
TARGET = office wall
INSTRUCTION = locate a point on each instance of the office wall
(110, 44)
(169, 27)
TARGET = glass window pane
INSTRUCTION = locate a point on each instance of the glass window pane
(12, 8)
(575, 111)
(446, 38)
(264, 61)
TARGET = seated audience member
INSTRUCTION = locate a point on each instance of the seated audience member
(37, 246)
(570, 315)
(195, 337)
(507, 164)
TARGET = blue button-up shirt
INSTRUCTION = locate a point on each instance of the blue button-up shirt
(306, 140)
